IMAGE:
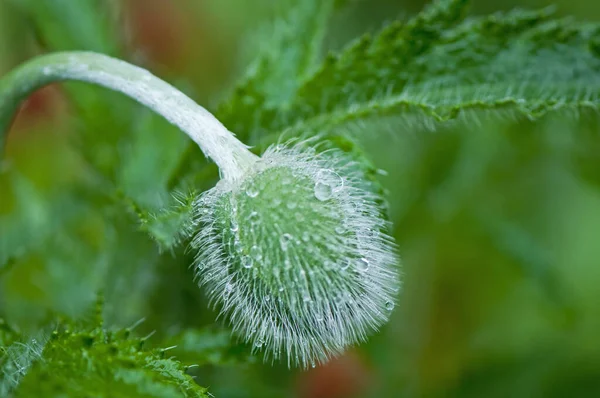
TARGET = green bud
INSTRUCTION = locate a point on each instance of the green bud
(295, 255)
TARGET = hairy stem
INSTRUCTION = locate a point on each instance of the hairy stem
(217, 143)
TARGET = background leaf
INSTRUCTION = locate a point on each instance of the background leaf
(439, 67)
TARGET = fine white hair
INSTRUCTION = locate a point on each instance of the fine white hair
(296, 254)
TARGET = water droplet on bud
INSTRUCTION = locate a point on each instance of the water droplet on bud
(252, 192)
(389, 305)
(323, 191)
(345, 264)
(228, 290)
(237, 246)
(331, 178)
(363, 265)
(284, 241)
(256, 253)
(247, 261)
(254, 218)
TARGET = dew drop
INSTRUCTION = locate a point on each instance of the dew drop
(340, 230)
(237, 246)
(291, 205)
(234, 226)
(323, 191)
(267, 298)
(252, 192)
(305, 236)
(256, 253)
(313, 365)
(348, 298)
(363, 265)
(247, 261)
(254, 218)
(259, 343)
(345, 264)
(284, 241)
(228, 290)
(331, 178)
(389, 305)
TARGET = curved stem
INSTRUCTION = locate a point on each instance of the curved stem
(217, 143)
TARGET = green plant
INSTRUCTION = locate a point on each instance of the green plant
(312, 204)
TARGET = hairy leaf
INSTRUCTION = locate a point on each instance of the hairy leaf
(17, 354)
(101, 363)
(289, 50)
(209, 346)
(438, 65)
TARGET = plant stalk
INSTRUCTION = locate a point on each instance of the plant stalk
(219, 144)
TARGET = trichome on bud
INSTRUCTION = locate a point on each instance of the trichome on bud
(296, 256)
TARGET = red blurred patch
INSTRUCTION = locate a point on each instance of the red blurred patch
(174, 38)
(43, 106)
(342, 377)
(159, 29)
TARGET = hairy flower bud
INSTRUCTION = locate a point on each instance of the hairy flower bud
(296, 256)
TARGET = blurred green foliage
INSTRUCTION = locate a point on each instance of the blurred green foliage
(495, 202)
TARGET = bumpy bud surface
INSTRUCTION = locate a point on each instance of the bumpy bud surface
(295, 255)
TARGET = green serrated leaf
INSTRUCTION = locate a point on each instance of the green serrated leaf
(370, 68)
(78, 362)
(210, 346)
(289, 50)
(17, 354)
(440, 67)
(172, 225)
